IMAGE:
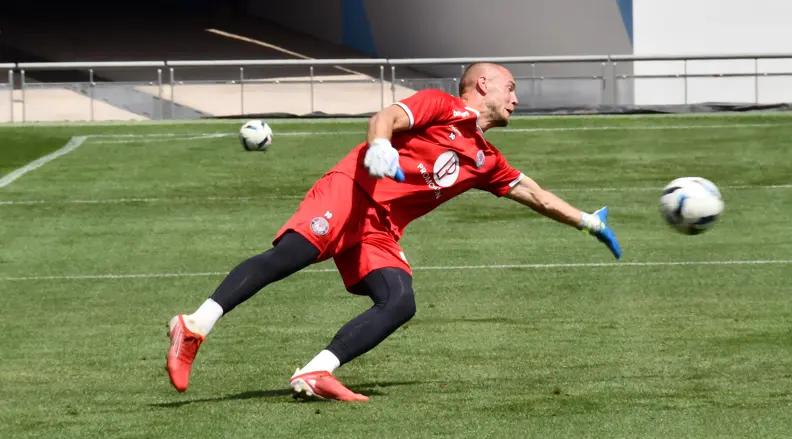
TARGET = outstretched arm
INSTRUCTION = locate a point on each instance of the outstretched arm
(529, 193)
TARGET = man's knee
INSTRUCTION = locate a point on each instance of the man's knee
(392, 292)
(396, 286)
(402, 304)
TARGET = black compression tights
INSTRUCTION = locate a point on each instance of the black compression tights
(291, 254)
(389, 288)
(394, 304)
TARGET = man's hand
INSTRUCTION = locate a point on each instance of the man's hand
(596, 224)
(382, 160)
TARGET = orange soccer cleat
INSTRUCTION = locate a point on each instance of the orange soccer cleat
(183, 348)
(323, 385)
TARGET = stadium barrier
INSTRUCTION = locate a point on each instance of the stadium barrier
(162, 90)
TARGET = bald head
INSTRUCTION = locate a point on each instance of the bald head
(475, 71)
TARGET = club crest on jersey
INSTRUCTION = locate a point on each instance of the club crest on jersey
(454, 132)
(320, 226)
(479, 158)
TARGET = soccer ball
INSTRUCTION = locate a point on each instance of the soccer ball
(691, 204)
(255, 135)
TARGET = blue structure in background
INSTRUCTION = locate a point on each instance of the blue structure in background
(626, 9)
(357, 29)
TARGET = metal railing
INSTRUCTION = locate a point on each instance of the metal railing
(192, 89)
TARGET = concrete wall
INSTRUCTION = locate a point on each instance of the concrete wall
(475, 28)
(453, 28)
(450, 28)
(713, 27)
(322, 19)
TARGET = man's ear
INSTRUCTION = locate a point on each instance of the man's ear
(481, 84)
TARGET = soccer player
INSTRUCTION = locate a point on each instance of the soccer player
(431, 148)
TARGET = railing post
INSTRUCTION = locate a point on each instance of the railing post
(685, 78)
(172, 93)
(534, 86)
(91, 90)
(24, 97)
(461, 75)
(393, 84)
(614, 91)
(311, 74)
(603, 67)
(11, 94)
(159, 94)
(242, 90)
(756, 80)
(382, 86)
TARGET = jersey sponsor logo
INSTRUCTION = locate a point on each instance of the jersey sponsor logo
(428, 180)
(320, 226)
(446, 169)
(444, 173)
(479, 159)
(459, 113)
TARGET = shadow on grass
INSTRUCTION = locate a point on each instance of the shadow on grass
(369, 389)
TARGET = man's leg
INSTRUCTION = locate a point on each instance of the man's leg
(394, 304)
(292, 253)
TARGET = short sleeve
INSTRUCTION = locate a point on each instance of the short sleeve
(502, 178)
(427, 106)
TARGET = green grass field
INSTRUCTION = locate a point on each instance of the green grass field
(525, 327)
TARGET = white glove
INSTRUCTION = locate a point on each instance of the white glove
(382, 159)
(596, 224)
(591, 223)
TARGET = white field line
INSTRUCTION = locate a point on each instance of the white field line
(151, 139)
(76, 141)
(154, 137)
(133, 200)
(70, 146)
(645, 127)
(425, 268)
(160, 138)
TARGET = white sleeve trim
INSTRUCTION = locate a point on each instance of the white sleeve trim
(516, 180)
(409, 113)
(476, 112)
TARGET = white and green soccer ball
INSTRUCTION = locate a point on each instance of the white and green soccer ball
(691, 205)
(255, 135)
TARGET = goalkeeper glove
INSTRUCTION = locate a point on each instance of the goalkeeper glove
(596, 225)
(382, 160)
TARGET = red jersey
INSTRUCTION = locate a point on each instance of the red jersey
(442, 154)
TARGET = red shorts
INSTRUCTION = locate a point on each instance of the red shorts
(340, 220)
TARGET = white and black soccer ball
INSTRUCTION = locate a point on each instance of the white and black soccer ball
(691, 205)
(255, 135)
